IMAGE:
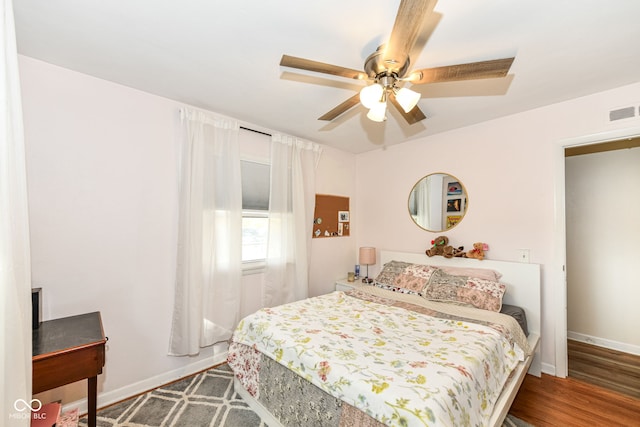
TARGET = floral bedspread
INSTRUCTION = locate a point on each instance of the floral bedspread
(400, 366)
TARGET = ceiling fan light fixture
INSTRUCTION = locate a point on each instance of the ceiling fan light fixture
(407, 99)
(378, 113)
(371, 95)
(390, 66)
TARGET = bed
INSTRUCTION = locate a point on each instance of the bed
(404, 351)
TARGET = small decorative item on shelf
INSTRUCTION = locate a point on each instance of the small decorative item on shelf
(357, 270)
(351, 276)
(478, 251)
(367, 257)
(438, 245)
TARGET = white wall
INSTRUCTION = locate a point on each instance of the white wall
(102, 179)
(509, 169)
(333, 257)
(603, 248)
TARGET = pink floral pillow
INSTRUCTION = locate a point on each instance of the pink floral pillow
(404, 277)
(414, 277)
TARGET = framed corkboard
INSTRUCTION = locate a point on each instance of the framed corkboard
(331, 217)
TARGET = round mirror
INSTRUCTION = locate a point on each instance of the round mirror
(438, 202)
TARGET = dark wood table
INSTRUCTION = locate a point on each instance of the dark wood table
(67, 350)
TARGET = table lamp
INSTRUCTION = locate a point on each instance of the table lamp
(367, 257)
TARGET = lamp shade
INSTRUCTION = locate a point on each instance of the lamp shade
(367, 255)
(371, 95)
(407, 99)
(378, 113)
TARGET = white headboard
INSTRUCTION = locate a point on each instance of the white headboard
(522, 281)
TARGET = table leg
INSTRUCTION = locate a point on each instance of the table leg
(92, 396)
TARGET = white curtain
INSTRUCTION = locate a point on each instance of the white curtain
(423, 213)
(429, 202)
(15, 261)
(437, 202)
(291, 204)
(209, 265)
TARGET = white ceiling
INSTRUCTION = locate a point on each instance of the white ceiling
(224, 56)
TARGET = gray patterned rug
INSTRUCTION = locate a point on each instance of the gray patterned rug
(205, 399)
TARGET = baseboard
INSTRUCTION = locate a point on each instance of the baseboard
(603, 342)
(123, 393)
(549, 369)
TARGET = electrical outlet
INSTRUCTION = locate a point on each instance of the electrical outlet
(523, 255)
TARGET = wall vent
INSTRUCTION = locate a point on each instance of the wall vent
(622, 113)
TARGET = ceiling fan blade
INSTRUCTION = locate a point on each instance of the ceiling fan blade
(473, 70)
(346, 105)
(321, 67)
(409, 20)
(413, 116)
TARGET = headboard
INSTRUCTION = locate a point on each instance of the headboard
(522, 281)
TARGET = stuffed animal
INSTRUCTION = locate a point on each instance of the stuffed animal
(438, 246)
(451, 252)
(478, 251)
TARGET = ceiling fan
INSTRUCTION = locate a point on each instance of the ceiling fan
(388, 68)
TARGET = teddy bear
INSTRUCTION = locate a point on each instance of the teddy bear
(451, 252)
(478, 251)
(438, 245)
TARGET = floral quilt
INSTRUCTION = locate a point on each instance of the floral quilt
(402, 367)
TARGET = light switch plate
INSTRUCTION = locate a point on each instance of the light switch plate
(523, 255)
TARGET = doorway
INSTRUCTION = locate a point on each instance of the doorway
(588, 142)
(602, 207)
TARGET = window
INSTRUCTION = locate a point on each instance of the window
(255, 230)
(255, 210)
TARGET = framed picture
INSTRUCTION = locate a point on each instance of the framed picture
(343, 216)
(453, 220)
(454, 205)
(454, 189)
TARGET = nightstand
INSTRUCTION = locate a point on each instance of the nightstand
(344, 285)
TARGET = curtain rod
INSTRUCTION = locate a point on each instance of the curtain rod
(183, 110)
(256, 131)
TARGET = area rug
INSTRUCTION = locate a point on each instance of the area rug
(205, 399)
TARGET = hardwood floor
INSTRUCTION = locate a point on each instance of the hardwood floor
(553, 401)
(604, 367)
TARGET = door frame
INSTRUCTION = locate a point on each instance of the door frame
(560, 242)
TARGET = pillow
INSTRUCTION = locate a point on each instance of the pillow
(414, 277)
(480, 273)
(471, 291)
(518, 314)
(404, 277)
(389, 272)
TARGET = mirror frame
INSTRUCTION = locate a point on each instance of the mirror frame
(444, 199)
